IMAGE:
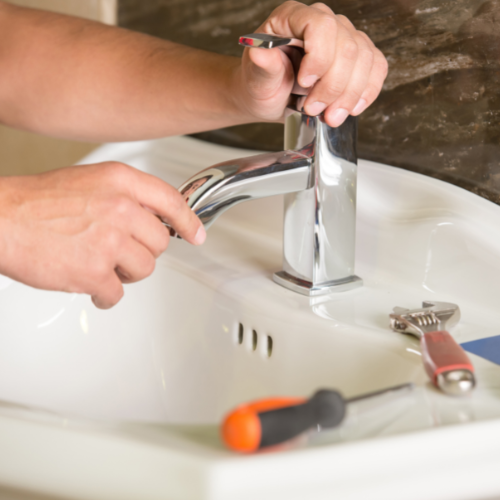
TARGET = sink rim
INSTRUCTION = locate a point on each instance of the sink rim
(218, 472)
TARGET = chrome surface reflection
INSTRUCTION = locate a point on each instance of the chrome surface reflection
(214, 190)
(317, 171)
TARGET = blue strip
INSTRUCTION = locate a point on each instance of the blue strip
(488, 348)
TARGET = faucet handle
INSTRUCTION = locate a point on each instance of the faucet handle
(265, 41)
(292, 47)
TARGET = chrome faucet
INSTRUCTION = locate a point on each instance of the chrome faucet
(317, 173)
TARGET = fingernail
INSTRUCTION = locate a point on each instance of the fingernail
(122, 274)
(201, 236)
(339, 117)
(315, 108)
(360, 107)
(98, 303)
(309, 81)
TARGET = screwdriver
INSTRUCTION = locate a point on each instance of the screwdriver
(269, 422)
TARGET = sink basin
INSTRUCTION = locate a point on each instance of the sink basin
(125, 403)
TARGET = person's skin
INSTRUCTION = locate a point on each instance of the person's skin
(88, 229)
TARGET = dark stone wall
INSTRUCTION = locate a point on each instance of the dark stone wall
(439, 112)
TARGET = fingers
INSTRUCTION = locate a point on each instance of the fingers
(167, 202)
(341, 64)
(159, 198)
(350, 85)
(317, 28)
(349, 78)
(269, 69)
(320, 39)
(374, 85)
(148, 230)
(122, 260)
(134, 263)
(109, 292)
(121, 211)
(334, 83)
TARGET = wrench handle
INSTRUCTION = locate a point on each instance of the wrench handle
(440, 354)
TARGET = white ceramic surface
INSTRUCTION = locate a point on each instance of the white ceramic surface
(132, 396)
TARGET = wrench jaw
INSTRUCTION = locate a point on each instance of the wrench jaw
(448, 313)
(430, 317)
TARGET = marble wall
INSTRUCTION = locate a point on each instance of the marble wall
(439, 112)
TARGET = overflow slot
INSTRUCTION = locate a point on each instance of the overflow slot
(269, 345)
(254, 340)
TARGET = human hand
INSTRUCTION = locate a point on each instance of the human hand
(342, 65)
(88, 229)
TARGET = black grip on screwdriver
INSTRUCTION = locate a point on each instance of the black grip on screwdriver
(325, 409)
(270, 422)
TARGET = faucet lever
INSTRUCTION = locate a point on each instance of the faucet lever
(265, 41)
(292, 47)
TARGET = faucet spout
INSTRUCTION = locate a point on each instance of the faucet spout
(214, 190)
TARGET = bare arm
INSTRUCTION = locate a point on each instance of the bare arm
(73, 78)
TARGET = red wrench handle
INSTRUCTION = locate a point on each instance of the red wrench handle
(440, 353)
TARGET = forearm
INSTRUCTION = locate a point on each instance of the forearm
(73, 78)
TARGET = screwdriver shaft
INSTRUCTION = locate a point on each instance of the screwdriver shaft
(395, 388)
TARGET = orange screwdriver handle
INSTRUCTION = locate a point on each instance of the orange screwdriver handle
(269, 422)
(242, 428)
(440, 353)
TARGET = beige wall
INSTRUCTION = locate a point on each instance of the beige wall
(25, 153)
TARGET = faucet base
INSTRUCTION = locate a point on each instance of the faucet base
(311, 290)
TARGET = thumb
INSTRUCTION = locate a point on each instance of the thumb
(268, 71)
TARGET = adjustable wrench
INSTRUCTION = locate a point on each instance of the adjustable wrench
(446, 363)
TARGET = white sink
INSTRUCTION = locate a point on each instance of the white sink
(125, 403)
